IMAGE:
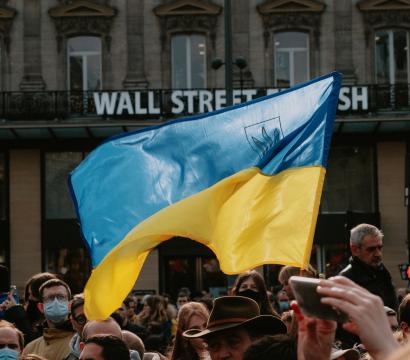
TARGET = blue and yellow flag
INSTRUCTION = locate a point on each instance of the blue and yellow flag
(245, 181)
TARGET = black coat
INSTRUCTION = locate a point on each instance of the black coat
(376, 280)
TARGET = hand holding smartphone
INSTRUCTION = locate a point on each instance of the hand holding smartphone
(308, 299)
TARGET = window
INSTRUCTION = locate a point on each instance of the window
(4, 235)
(188, 61)
(392, 56)
(84, 63)
(3, 194)
(350, 180)
(58, 165)
(291, 58)
(65, 253)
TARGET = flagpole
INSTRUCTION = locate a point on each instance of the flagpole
(228, 53)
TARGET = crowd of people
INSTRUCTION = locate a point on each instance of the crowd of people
(50, 323)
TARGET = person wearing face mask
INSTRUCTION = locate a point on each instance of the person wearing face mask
(54, 304)
(251, 284)
(283, 301)
(11, 341)
(28, 319)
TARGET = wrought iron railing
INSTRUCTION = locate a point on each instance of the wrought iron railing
(168, 103)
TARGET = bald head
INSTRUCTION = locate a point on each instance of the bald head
(106, 327)
(133, 342)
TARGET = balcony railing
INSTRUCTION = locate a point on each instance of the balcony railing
(167, 103)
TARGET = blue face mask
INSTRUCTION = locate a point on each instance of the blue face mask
(284, 305)
(56, 311)
(8, 354)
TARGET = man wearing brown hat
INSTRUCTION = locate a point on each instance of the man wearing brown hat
(234, 323)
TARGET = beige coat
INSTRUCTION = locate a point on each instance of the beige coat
(53, 345)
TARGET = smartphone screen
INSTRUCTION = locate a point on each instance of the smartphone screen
(308, 300)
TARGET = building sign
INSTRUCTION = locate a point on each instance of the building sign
(174, 102)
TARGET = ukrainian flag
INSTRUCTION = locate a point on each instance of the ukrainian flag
(245, 181)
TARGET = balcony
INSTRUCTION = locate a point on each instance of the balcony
(163, 104)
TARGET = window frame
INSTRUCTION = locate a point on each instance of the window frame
(84, 55)
(188, 58)
(291, 56)
(5, 222)
(391, 63)
(66, 226)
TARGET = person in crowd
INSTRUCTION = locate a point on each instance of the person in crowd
(154, 319)
(11, 341)
(287, 271)
(133, 342)
(105, 347)
(366, 267)
(28, 319)
(234, 323)
(4, 288)
(54, 303)
(192, 315)
(272, 347)
(392, 317)
(78, 321)
(404, 320)
(367, 317)
(121, 316)
(169, 307)
(31, 301)
(108, 326)
(130, 306)
(182, 299)
(282, 299)
(251, 284)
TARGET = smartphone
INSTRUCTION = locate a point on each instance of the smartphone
(308, 299)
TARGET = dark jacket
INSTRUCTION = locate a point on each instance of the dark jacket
(376, 280)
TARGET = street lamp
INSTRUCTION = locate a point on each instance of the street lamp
(240, 62)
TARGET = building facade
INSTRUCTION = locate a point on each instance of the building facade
(74, 72)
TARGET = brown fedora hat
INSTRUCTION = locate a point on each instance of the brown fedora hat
(237, 311)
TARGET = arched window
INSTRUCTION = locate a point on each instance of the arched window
(392, 56)
(84, 63)
(291, 58)
(188, 61)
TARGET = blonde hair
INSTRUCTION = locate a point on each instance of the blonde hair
(182, 348)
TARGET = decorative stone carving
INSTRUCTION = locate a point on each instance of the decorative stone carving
(389, 14)
(7, 15)
(383, 5)
(284, 14)
(82, 17)
(188, 15)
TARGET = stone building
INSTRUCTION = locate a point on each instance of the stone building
(74, 72)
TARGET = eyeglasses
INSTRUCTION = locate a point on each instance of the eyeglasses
(371, 249)
(80, 319)
(59, 297)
